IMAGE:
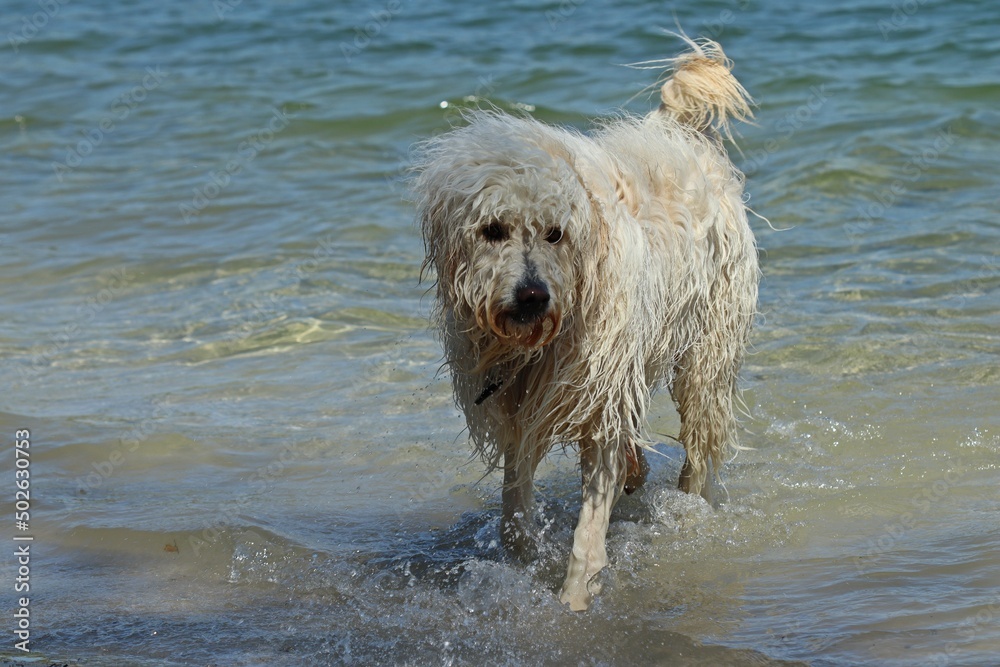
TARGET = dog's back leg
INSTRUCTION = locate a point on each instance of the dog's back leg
(704, 393)
(636, 468)
(602, 484)
(705, 386)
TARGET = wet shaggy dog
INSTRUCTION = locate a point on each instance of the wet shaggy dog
(576, 274)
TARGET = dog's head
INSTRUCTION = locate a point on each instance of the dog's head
(505, 215)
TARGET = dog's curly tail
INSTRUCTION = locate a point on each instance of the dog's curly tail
(701, 91)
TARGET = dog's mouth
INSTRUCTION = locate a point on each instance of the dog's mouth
(530, 322)
(522, 331)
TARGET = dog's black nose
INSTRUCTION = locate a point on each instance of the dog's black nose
(533, 294)
(532, 300)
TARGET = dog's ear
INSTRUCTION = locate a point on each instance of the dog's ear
(429, 224)
(625, 194)
(440, 250)
(606, 184)
(603, 194)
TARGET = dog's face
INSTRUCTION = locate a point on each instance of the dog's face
(519, 272)
(505, 257)
(505, 215)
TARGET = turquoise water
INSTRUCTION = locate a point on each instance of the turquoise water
(243, 452)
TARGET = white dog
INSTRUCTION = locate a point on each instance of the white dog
(576, 274)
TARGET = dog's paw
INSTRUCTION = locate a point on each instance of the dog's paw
(576, 596)
(578, 592)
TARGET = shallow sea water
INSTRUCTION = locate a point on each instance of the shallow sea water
(243, 453)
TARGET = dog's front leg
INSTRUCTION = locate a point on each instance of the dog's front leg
(602, 484)
(518, 498)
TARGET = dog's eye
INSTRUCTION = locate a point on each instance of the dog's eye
(494, 232)
(554, 235)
